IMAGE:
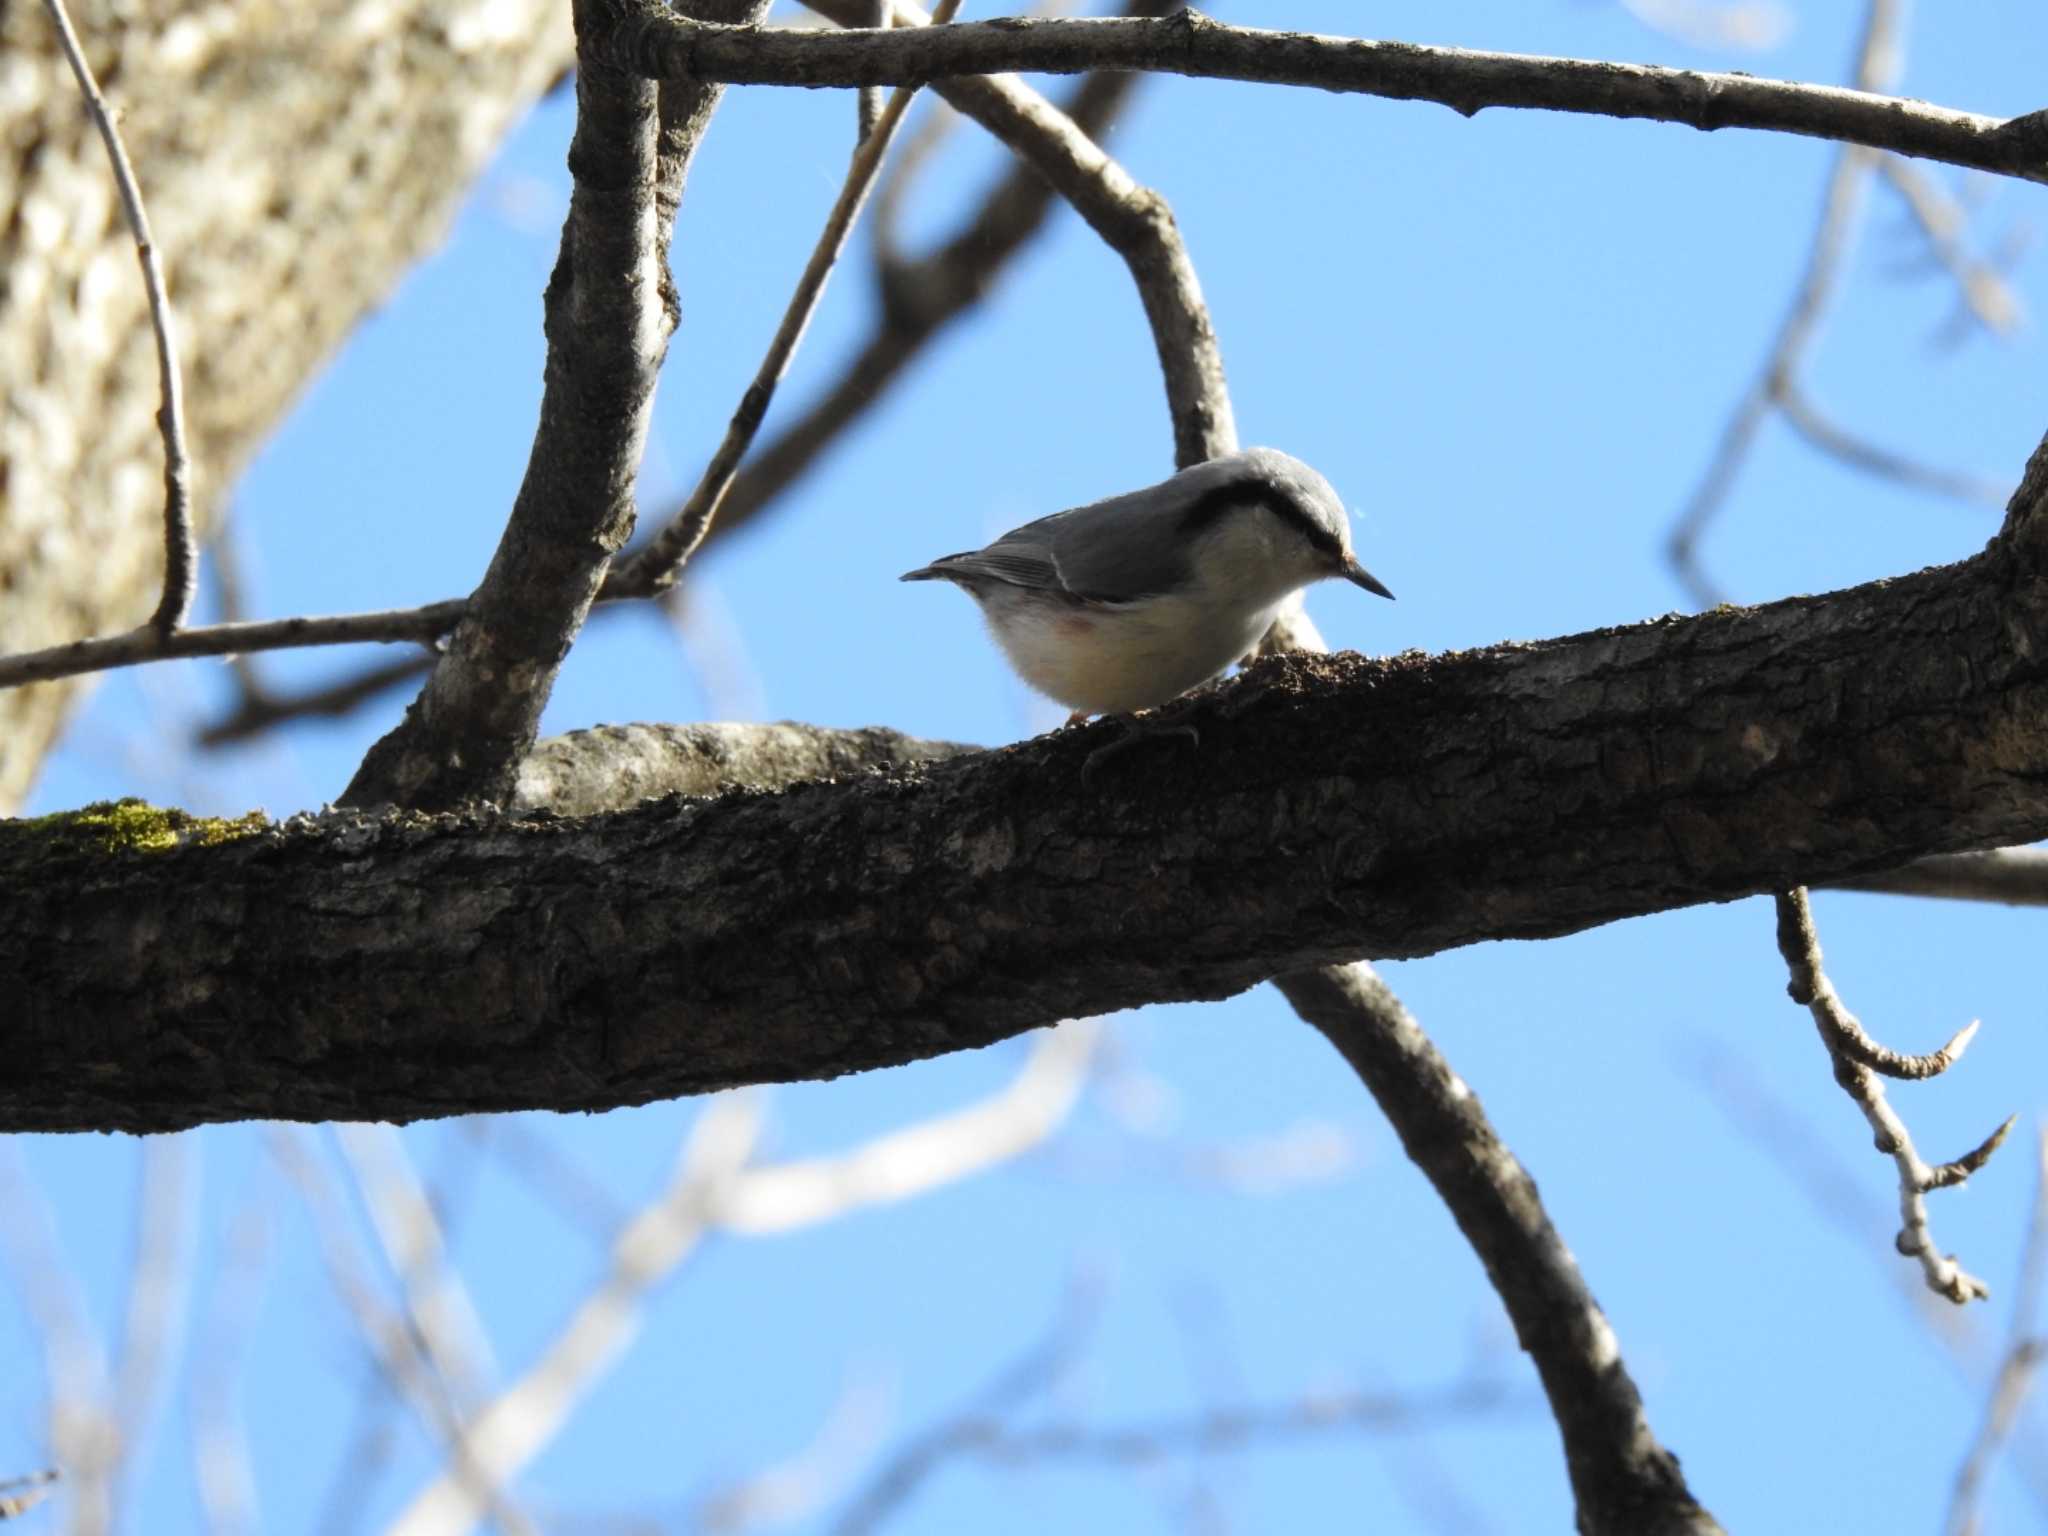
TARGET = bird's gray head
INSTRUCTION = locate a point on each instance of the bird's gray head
(1298, 511)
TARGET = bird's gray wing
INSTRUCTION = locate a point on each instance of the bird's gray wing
(1023, 557)
(1115, 551)
(1125, 548)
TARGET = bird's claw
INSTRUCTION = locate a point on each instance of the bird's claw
(1134, 733)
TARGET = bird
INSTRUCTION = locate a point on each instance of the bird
(1125, 604)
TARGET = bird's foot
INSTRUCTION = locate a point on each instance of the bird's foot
(1136, 730)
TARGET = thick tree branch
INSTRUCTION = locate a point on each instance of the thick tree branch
(651, 41)
(1337, 808)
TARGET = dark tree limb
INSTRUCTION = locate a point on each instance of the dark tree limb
(1623, 1481)
(1338, 808)
(651, 41)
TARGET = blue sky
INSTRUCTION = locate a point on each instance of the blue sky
(1510, 342)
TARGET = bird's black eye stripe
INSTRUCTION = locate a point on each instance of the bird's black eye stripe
(1211, 505)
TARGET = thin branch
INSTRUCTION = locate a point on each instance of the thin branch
(232, 594)
(659, 565)
(1878, 56)
(1223, 1430)
(443, 1318)
(650, 41)
(2019, 1367)
(19, 1495)
(784, 1197)
(1133, 220)
(793, 1489)
(159, 1281)
(1034, 1371)
(224, 1470)
(1858, 1062)
(517, 1424)
(1805, 418)
(920, 299)
(717, 1188)
(393, 1345)
(421, 625)
(1985, 293)
(2012, 877)
(265, 711)
(181, 559)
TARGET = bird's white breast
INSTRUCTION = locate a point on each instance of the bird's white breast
(1112, 659)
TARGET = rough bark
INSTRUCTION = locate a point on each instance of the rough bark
(296, 161)
(1337, 808)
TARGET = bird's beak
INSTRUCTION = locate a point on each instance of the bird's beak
(1359, 576)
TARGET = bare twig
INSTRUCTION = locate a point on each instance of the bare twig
(438, 1307)
(1876, 67)
(1807, 419)
(223, 1468)
(514, 1426)
(385, 1332)
(716, 1189)
(1220, 1430)
(159, 1280)
(2012, 877)
(256, 713)
(82, 1439)
(1985, 293)
(2019, 1367)
(1133, 220)
(19, 1495)
(658, 566)
(549, 1172)
(181, 560)
(795, 1487)
(782, 1197)
(1777, 387)
(1034, 1371)
(1858, 1062)
(421, 625)
(920, 298)
(650, 41)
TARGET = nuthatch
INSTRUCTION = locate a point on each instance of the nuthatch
(1127, 603)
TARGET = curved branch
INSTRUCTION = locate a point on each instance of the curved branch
(652, 42)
